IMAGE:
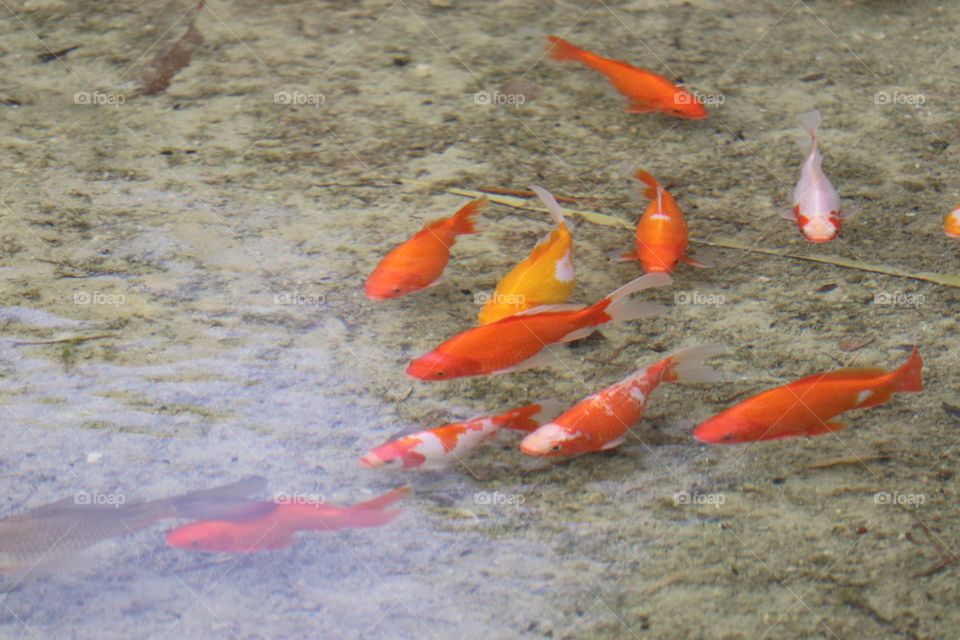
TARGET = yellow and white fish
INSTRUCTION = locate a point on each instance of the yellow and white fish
(544, 277)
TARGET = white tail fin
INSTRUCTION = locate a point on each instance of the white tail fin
(550, 202)
(687, 366)
(810, 121)
(620, 308)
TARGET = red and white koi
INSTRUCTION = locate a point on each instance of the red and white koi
(951, 224)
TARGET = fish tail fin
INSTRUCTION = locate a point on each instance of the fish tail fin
(908, 377)
(560, 49)
(462, 221)
(530, 417)
(373, 513)
(550, 202)
(652, 185)
(219, 502)
(688, 366)
(617, 306)
(810, 121)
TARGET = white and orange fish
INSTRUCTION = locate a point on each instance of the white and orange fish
(816, 204)
(951, 224)
(518, 342)
(601, 421)
(419, 262)
(661, 237)
(546, 276)
(439, 447)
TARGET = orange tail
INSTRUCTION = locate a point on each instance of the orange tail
(650, 181)
(462, 221)
(560, 49)
(373, 513)
(908, 376)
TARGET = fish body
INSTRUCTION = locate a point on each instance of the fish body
(544, 277)
(439, 447)
(645, 90)
(808, 406)
(661, 237)
(419, 262)
(951, 224)
(275, 529)
(601, 421)
(816, 204)
(60, 530)
(515, 343)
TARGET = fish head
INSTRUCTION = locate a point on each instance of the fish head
(210, 536)
(384, 284)
(819, 228)
(684, 104)
(550, 441)
(391, 455)
(442, 366)
(723, 430)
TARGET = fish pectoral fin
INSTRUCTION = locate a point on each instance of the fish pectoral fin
(827, 427)
(579, 334)
(436, 282)
(541, 359)
(693, 262)
(849, 212)
(787, 214)
(637, 106)
(613, 444)
(618, 256)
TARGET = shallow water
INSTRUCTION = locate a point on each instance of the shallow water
(214, 241)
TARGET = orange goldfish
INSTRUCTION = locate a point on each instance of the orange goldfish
(439, 447)
(601, 421)
(808, 407)
(816, 204)
(546, 276)
(645, 90)
(951, 224)
(661, 239)
(517, 342)
(419, 262)
(273, 526)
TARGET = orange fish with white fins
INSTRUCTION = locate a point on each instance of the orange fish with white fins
(808, 407)
(419, 262)
(645, 90)
(546, 276)
(601, 421)
(661, 236)
(439, 447)
(951, 224)
(517, 342)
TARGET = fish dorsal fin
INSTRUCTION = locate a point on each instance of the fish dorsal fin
(551, 308)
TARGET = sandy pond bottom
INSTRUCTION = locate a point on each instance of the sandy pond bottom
(217, 238)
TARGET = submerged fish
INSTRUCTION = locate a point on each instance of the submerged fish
(546, 276)
(601, 421)
(58, 531)
(816, 204)
(274, 529)
(645, 90)
(419, 262)
(808, 407)
(517, 343)
(439, 447)
(661, 237)
(951, 224)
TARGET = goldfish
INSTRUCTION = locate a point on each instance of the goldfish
(517, 342)
(437, 448)
(419, 262)
(816, 204)
(601, 421)
(645, 90)
(661, 239)
(275, 525)
(546, 276)
(808, 407)
(951, 224)
(57, 532)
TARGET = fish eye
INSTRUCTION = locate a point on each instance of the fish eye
(439, 374)
(556, 447)
(728, 436)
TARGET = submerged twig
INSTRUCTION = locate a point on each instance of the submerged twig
(837, 462)
(72, 340)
